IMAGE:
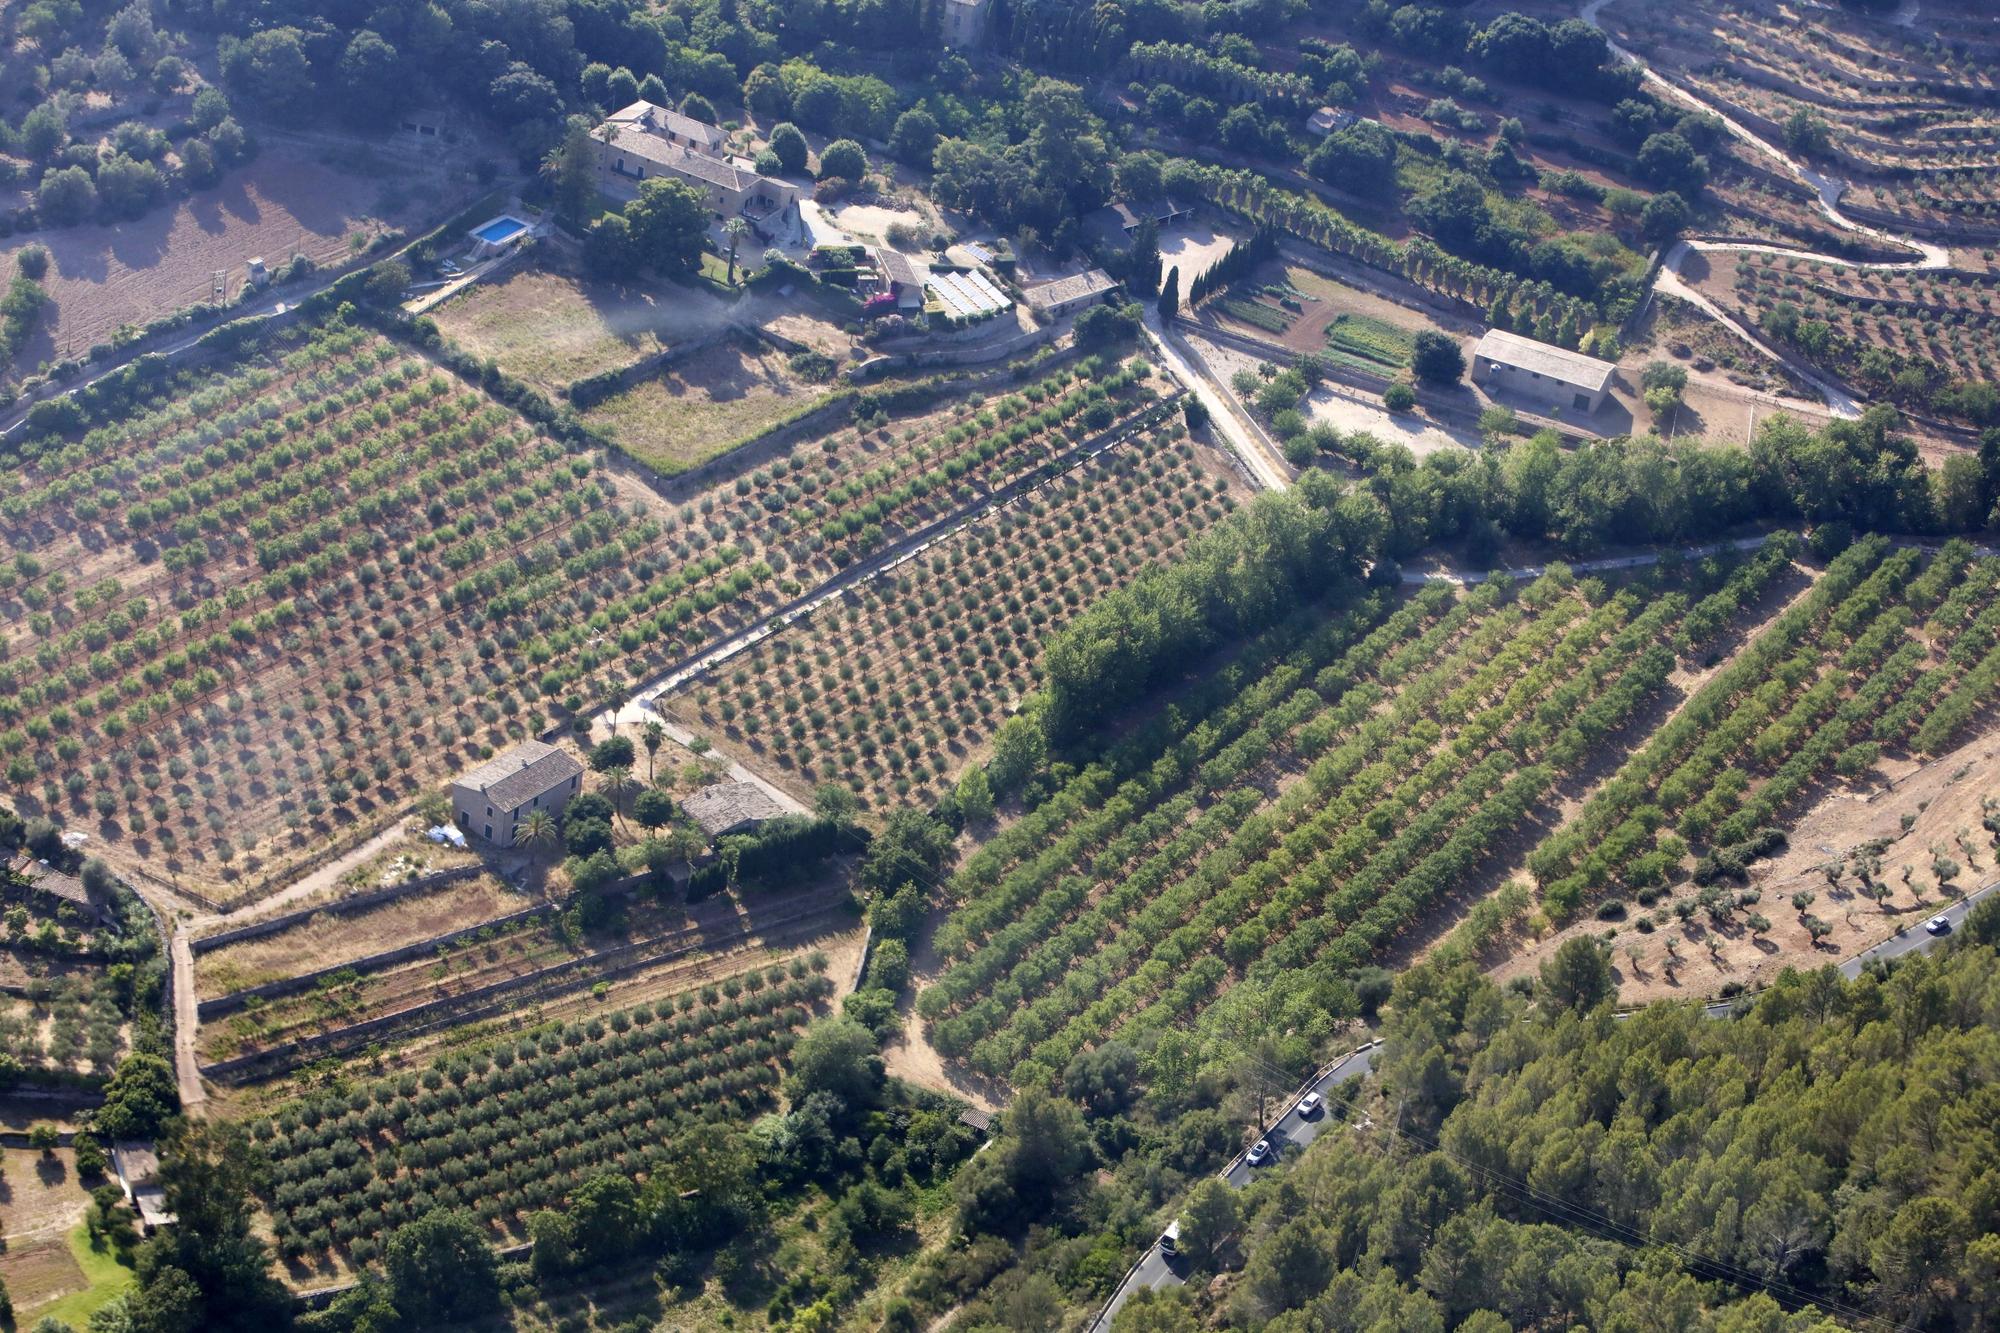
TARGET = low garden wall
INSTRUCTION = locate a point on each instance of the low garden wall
(271, 990)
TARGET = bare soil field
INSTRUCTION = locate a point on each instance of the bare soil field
(703, 404)
(325, 940)
(291, 200)
(1942, 800)
(42, 1195)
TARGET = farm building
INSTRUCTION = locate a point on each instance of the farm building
(904, 278)
(1127, 217)
(1059, 298)
(1551, 376)
(730, 807)
(495, 797)
(965, 23)
(1329, 120)
(644, 141)
(29, 877)
(137, 1166)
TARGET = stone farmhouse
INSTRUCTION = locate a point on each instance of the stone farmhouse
(644, 141)
(494, 798)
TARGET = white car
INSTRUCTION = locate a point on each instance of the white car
(1261, 1152)
(1310, 1105)
(1938, 925)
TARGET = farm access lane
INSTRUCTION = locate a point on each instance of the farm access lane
(1291, 1132)
(644, 701)
(1260, 458)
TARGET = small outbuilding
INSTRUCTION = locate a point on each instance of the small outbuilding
(1551, 376)
(902, 277)
(730, 807)
(1329, 120)
(494, 798)
(137, 1166)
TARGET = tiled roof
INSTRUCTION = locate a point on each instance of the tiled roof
(729, 805)
(530, 769)
(1076, 286)
(1556, 363)
(645, 114)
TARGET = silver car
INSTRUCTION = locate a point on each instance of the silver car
(1261, 1152)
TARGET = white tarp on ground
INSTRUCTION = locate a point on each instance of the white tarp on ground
(450, 833)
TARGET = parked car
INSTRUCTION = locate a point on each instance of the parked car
(1938, 925)
(1261, 1152)
(1310, 1105)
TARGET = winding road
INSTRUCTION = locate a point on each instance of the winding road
(1292, 1132)
(1826, 189)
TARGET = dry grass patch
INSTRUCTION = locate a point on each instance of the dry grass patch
(702, 405)
(325, 940)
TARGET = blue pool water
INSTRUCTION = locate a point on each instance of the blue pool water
(501, 229)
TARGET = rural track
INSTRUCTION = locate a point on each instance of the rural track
(1827, 192)
(640, 704)
(1295, 1132)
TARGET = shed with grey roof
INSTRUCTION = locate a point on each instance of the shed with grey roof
(494, 798)
(730, 807)
(1549, 376)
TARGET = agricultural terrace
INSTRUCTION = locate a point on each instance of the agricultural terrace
(1314, 803)
(272, 599)
(1888, 651)
(71, 984)
(529, 955)
(1893, 103)
(890, 689)
(708, 400)
(521, 1124)
(1912, 335)
(1306, 805)
(1305, 312)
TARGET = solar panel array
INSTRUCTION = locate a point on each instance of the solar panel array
(968, 294)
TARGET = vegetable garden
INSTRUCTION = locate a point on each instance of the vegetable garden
(890, 688)
(515, 1126)
(257, 604)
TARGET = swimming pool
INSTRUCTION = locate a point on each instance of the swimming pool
(501, 230)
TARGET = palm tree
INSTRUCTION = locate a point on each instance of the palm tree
(616, 781)
(652, 735)
(735, 229)
(538, 829)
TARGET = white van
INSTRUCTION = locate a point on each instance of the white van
(1170, 1239)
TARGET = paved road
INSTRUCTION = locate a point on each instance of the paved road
(1913, 938)
(1291, 1133)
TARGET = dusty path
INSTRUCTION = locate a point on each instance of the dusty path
(1826, 189)
(1838, 400)
(1245, 437)
(187, 1023)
